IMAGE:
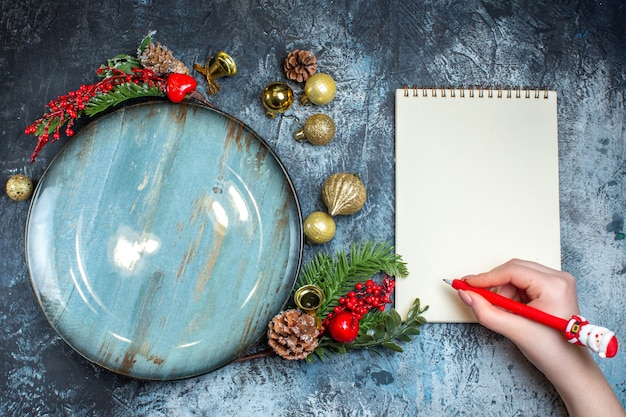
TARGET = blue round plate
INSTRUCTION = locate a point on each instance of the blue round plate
(162, 240)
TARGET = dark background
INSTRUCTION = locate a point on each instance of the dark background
(577, 48)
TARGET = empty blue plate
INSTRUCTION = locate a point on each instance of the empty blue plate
(162, 240)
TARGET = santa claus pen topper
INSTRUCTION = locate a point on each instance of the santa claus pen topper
(577, 330)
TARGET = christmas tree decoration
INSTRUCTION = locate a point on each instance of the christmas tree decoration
(319, 89)
(343, 327)
(319, 228)
(19, 187)
(300, 65)
(318, 129)
(277, 98)
(309, 298)
(160, 59)
(351, 294)
(293, 334)
(365, 297)
(343, 194)
(222, 66)
(178, 86)
(124, 77)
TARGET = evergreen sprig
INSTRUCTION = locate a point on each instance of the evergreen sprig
(377, 329)
(119, 94)
(336, 276)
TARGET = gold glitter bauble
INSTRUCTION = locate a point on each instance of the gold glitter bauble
(319, 228)
(19, 187)
(318, 129)
(343, 194)
(277, 98)
(319, 89)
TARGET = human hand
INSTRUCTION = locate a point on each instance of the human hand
(570, 368)
(538, 286)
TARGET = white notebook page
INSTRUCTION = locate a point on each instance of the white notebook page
(476, 185)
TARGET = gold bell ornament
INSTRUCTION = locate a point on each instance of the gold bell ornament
(318, 129)
(19, 187)
(222, 66)
(343, 194)
(319, 89)
(309, 298)
(277, 98)
(319, 228)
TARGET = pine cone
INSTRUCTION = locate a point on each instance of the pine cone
(293, 334)
(161, 60)
(300, 65)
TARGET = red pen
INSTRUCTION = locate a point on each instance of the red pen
(577, 330)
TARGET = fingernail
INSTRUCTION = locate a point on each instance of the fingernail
(465, 298)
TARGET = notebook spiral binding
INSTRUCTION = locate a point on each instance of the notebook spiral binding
(480, 91)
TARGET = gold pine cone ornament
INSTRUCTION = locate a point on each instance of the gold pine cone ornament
(343, 194)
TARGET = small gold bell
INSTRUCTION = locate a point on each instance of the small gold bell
(277, 98)
(309, 298)
(19, 187)
(319, 89)
(318, 129)
(223, 65)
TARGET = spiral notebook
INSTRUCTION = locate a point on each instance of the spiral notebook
(477, 183)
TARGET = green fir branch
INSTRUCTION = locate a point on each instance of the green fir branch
(120, 93)
(336, 276)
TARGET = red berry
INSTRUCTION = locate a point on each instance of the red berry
(343, 327)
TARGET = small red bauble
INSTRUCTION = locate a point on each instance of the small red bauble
(343, 327)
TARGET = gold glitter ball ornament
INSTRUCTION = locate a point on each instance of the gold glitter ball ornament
(319, 228)
(277, 98)
(343, 194)
(319, 89)
(19, 187)
(318, 129)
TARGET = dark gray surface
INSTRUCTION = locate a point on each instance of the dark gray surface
(370, 48)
